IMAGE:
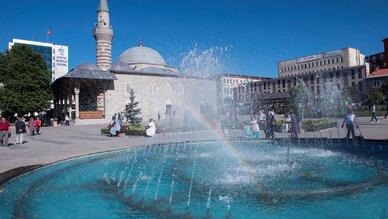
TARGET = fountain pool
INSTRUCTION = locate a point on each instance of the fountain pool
(260, 179)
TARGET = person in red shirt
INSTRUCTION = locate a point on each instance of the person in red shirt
(5, 130)
(38, 124)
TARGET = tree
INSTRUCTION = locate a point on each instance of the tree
(133, 111)
(24, 82)
(375, 96)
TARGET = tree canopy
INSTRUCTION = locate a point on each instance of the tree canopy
(24, 82)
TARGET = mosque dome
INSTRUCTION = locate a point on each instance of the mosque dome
(141, 55)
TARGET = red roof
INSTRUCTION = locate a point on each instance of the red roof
(379, 73)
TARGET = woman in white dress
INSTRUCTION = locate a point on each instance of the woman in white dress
(151, 128)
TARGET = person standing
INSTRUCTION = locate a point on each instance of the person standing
(386, 114)
(271, 124)
(67, 120)
(350, 121)
(20, 127)
(254, 126)
(5, 131)
(38, 124)
(31, 126)
(151, 128)
(374, 117)
(294, 125)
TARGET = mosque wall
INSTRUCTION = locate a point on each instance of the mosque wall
(168, 96)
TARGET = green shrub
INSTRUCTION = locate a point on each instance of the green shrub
(104, 131)
(135, 130)
(129, 130)
(314, 125)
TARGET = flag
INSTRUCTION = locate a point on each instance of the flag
(49, 32)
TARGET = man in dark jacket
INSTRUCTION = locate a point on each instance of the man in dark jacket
(20, 127)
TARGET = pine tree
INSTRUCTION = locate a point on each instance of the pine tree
(24, 82)
(133, 111)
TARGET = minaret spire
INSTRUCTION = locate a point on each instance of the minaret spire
(103, 33)
(103, 6)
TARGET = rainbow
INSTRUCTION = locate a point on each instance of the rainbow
(218, 133)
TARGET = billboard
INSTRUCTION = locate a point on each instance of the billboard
(60, 60)
(309, 58)
(333, 53)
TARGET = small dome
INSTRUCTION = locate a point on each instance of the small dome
(141, 55)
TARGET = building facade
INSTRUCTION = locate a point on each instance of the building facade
(379, 60)
(275, 91)
(56, 56)
(228, 82)
(321, 62)
(94, 93)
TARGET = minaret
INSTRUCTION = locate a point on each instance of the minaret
(103, 33)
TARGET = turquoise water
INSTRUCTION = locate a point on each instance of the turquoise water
(203, 180)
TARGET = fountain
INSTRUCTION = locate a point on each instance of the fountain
(216, 179)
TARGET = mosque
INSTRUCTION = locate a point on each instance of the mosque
(92, 94)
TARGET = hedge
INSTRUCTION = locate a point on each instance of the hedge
(130, 130)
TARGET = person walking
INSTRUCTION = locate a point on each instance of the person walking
(373, 110)
(386, 114)
(31, 126)
(67, 120)
(350, 121)
(20, 127)
(38, 124)
(5, 131)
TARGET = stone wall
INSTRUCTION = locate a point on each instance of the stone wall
(154, 93)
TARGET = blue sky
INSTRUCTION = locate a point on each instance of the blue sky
(260, 32)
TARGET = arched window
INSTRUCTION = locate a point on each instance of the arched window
(168, 89)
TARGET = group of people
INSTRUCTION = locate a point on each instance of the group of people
(20, 129)
(117, 123)
(264, 121)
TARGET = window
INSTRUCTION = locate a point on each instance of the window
(284, 83)
(168, 89)
(353, 74)
(342, 59)
(359, 74)
(353, 84)
(155, 89)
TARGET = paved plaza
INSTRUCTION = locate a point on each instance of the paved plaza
(55, 144)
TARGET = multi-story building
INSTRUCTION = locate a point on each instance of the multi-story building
(379, 60)
(56, 56)
(379, 68)
(228, 82)
(276, 91)
(321, 62)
